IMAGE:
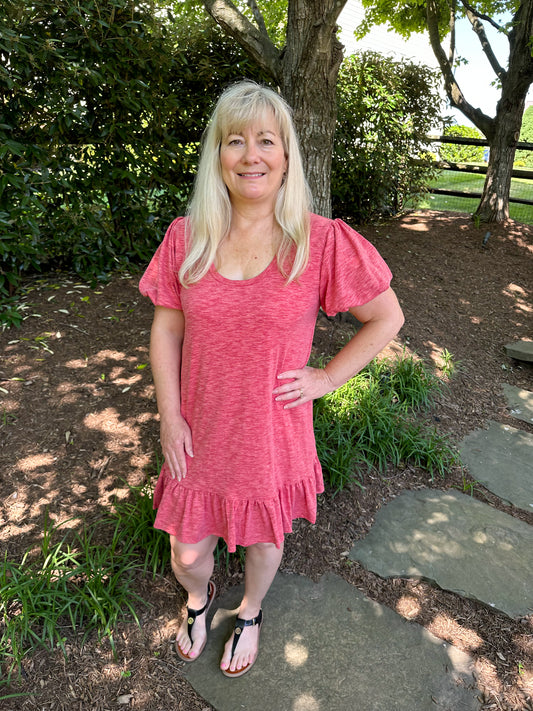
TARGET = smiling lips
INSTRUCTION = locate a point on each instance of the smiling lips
(251, 175)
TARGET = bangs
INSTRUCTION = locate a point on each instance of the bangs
(237, 113)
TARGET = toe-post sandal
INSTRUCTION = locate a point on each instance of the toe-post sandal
(240, 624)
(191, 619)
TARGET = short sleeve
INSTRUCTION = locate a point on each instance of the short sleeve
(352, 271)
(160, 281)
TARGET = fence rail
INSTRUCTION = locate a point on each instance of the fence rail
(477, 169)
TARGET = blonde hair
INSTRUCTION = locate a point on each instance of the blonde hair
(209, 210)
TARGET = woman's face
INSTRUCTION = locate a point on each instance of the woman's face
(253, 163)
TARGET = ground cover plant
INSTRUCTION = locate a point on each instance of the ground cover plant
(370, 423)
(78, 436)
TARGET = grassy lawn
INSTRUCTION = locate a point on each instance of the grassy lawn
(450, 180)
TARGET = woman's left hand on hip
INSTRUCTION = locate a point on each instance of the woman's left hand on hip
(306, 384)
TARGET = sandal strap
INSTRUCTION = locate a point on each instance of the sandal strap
(240, 624)
(193, 614)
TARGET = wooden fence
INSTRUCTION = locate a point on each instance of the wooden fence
(477, 169)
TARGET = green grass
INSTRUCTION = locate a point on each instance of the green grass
(374, 421)
(71, 584)
(451, 180)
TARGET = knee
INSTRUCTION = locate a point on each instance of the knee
(185, 558)
(264, 550)
(263, 547)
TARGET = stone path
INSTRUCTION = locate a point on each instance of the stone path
(456, 541)
(326, 647)
(500, 458)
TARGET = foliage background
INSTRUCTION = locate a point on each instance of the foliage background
(102, 109)
(462, 154)
(386, 108)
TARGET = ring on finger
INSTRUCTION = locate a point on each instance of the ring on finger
(301, 393)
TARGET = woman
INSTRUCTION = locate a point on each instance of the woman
(237, 286)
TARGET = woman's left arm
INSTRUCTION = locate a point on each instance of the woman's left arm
(382, 318)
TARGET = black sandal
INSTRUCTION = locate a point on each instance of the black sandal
(240, 624)
(191, 619)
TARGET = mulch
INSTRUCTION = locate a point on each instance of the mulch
(78, 422)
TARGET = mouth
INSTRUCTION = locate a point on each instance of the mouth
(250, 175)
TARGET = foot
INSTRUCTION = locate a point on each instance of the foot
(241, 649)
(192, 634)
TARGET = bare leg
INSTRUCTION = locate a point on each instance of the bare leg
(262, 563)
(192, 564)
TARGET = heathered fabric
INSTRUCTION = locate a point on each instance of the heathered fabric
(255, 466)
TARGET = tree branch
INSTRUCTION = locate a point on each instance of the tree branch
(481, 16)
(451, 53)
(482, 121)
(254, 41)
(258, 17)
(478, 28)
(335, 10)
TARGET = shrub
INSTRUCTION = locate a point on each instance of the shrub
(371, 422)
(102, 107)
(525, 158)
(385, 110)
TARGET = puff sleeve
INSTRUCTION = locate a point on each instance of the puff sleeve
(352, 271)
(160, 281)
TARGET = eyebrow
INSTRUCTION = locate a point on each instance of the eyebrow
(259, 133)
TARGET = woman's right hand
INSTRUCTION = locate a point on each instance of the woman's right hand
(176, 441)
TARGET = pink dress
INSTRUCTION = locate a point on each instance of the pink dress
(255, 466)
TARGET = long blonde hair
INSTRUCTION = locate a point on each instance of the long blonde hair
(209, 210)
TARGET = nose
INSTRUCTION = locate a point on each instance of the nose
(251, 153)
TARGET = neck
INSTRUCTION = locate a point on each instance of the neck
(253, 224)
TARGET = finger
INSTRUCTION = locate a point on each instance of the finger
(188, 445)
(291, 395)
(295, 403)
(177, 468)
(293, 387)
(290, 374)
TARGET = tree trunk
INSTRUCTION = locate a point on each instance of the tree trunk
(310, 66)
(494, 205)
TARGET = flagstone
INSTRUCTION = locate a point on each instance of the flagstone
(326, 647)
(460, 543)
(500, 457)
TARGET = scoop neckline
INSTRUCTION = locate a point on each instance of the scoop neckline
(243, 282)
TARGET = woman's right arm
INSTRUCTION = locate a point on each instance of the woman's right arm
(165, 356)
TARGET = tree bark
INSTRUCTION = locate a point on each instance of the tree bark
(494, 205)
(306, 72)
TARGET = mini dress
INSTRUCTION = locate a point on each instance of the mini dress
(255, 468)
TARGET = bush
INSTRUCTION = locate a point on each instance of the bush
(102, 108)
(371, 422)
(385, 110)
(455, 153)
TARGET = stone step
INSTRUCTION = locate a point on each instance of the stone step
(519, 402)
(461, 544)
(521, 350)
(326, 647)
(501, 458)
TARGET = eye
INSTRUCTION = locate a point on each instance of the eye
(234, 141)
(268, 142)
